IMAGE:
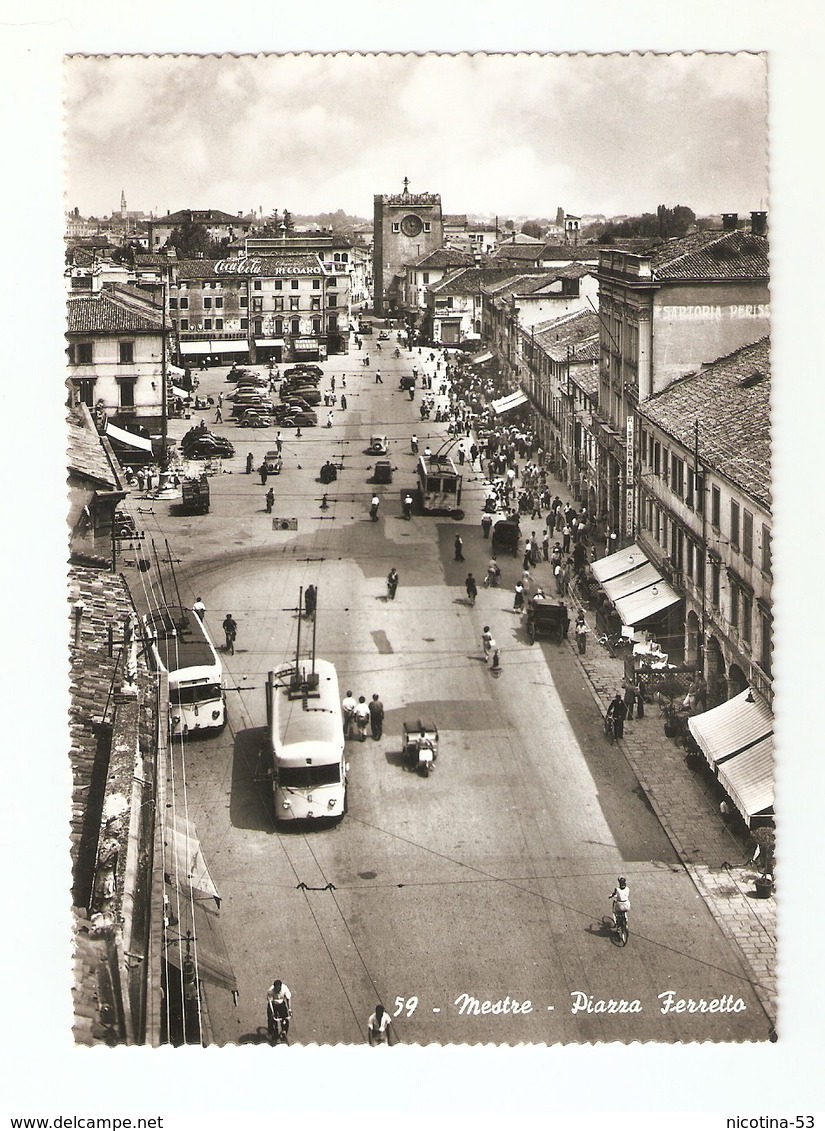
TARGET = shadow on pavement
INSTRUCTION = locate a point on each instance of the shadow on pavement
(250, 804)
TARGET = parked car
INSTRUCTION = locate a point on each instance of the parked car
(273, 463)
(303, 367)
(261, 406)
(208, 446)
(237, 372)
(307, 392)
(299, 419)
(253, 419)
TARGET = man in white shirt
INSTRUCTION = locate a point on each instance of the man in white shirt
(348, 705)
(378, 1027)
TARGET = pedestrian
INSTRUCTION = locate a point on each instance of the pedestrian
(343, 401)
(199, 609)
(362, 717)
(374, 505)
(264, 472)
(408, 506)
(486, 640)
(472, 589)
(459, 548)
(545, 545)
(329, 420)
(566, 532)
(525, 581)
(518, 600)
(332, 382)
(310, 601)
(378, 379)
(343, 382)
(392, 583)
(149, 479)
(278, 442)
(461, 457)
(378, 1027)
(617, 711)
(376, 710)
(250, 459)
(270, 500)
(581, 630)
(141, 479)
(348, 706)
(558, 575)
(218, 415)
(230, 629)
(486, 524)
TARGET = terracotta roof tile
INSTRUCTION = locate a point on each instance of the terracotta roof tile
(85, 452)
(731, 401)
(713, 255)
(113, 310)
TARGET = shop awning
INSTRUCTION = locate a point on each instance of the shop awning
(186, 864)
(128, 439)
(615, 564)
(505, 404)
(631, 582)
(182, 393)
(480, 358)
(269, 342)
(737, 740)
(202, 923)
(646, 602)
(239, 346)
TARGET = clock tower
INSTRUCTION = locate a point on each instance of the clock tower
(406, 226)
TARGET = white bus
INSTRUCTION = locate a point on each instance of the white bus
(306, 736)
(180, 645)
(440, 485)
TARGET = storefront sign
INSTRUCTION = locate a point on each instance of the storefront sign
(628, 475)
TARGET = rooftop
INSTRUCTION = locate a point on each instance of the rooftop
(261, 266)
(578, 331)
(115, 309)
(469, 280)
(444, 257)
(713, 255)
(86, 454)
(199, 216)
(731, 400)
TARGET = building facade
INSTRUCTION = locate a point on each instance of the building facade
(454, 305)
(704, 499)
(252, 308)
(406, 226)
(216, 224)
(427, 271)
(115, 349)
(665, 314)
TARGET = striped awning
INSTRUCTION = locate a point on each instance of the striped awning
(511, 401)
(736, 738)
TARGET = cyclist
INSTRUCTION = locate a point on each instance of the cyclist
(378, 1027)
(278, 1009)
(621, 900)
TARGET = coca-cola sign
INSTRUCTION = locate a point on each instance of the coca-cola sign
(240, 266)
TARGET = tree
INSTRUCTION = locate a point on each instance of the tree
(531, 228)
(509, 226)
(192, 241)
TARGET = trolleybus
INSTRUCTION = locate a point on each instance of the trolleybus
(440, 486)
(180, 645)
(306, 738)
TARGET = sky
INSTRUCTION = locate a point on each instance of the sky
(508, 135)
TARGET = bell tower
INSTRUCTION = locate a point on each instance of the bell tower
(406, 226)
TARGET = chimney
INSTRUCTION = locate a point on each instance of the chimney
(759, 223)
(729, 221)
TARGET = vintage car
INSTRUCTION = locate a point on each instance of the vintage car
(207, 446)
(273, 462)
(548, 617)
(506, 535)
(304, 370)
(254, 419)
(379, 445)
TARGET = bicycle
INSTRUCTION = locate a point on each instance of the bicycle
(610, 729)
(618, 927)
(278, 1016)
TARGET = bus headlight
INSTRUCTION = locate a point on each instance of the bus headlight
(216, 714)
(331, 803)
(175, 720)
(286, 804)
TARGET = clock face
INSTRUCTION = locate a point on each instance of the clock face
(411, 226)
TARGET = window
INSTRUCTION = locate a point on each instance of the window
(207, 323)
(244, 323)
(332, 300)
(279, 284)
(174, 323)
(677, 476)
(85, 353)
(700, 492)
(396, 227)
(173, 304)
(258, 326)
(218, 323)
(332, 324)
(747, 535)
(315, 302)
(256, 286)
(689, 558)
(316, 325)
(279, 302)
(279, 326)
(294, 284)
(734, 523)
(257, 305)
(345, 257)
(766, 643)
(332, 281)
(427, 226)
(316, 284)
(766, 550)
(690, 487)
(207, 304)
(127, 392)
(295, 302)
(745, 616)
(86, 391)
(734, 607)
(218, 301)
(715, 584)
(184, 302)
(425, 277)
(184, 323)
(244, 301)
(715, 506)
(657, 458)
(295, 326)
